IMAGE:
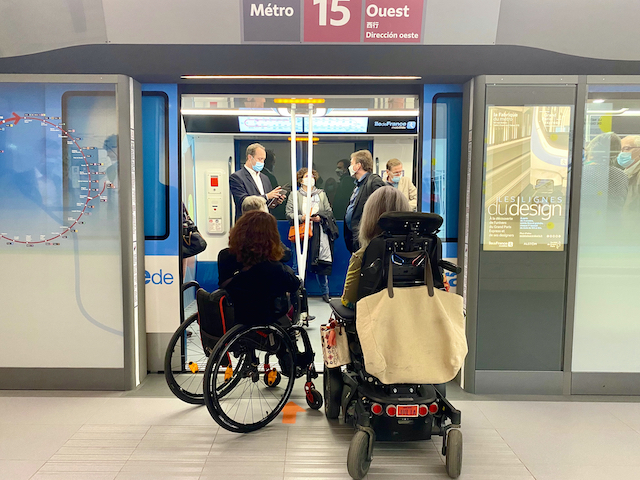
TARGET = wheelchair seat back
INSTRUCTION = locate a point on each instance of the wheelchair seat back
(407, 239)
(215, 316)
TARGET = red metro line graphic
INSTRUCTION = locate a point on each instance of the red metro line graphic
(16, 119)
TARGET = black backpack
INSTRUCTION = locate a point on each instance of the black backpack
(215, 316)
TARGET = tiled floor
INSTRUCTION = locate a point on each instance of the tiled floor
(149, 434)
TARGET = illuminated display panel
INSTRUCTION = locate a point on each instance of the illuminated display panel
(526, 176)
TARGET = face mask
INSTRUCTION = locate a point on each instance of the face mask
(352, 172)
(396, 179)
(625, 159)
(311, 184)
(257, 167)
(340, 172)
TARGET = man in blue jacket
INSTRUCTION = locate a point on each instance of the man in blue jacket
(248, 180)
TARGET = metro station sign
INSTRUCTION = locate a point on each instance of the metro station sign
(333, 21)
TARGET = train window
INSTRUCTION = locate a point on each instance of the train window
(445, 169)
(608, 270)
(155, 160)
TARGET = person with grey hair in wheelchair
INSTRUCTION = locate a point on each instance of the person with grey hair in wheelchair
(385, 199)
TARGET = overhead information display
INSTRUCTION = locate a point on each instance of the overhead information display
(525, 177)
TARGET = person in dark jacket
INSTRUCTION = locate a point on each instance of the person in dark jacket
(366, 183)
(248, 180)
(259, 289)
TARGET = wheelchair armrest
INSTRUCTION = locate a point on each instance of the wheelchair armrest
(340, 310)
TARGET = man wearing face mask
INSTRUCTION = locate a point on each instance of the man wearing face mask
(248, 181)
(629, 159)
(366, 182)
(394, 176)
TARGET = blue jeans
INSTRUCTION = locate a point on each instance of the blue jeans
(323, 281)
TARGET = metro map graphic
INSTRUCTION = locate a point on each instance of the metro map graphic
(79, 153)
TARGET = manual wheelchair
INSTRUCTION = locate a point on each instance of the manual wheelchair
(397, 412)
(243, 374)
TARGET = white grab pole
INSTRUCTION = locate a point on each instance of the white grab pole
(294, 188)
(305, 250)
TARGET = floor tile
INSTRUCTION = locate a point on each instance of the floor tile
(18, 469)
(583, 472)
(33, 442)
(150, 411)
(574, 447)
(48, 410)
(550, 416)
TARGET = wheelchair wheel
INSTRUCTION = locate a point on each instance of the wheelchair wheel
(185, 361)
(358, 461)
(241, 401)
(454, 453)
(332, 382)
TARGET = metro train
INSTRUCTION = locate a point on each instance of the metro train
(189, 162)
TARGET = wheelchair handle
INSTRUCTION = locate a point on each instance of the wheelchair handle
(186, 286)
(452, 267)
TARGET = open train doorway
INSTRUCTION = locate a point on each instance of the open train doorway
(216, 131)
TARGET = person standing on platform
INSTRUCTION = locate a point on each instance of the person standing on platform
(248, 180)
(366, 183)
(394, 175)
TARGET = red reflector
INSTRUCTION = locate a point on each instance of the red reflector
(376, 408)
(423, 410)
(391, 410)
(433, 408)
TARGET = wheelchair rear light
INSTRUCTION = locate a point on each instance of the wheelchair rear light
(433, 408)
(423, 410)
(391, 410)
(376, 409)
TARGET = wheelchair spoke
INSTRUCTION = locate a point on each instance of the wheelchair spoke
(241, 403)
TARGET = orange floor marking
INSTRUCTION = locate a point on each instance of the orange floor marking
(290, 411)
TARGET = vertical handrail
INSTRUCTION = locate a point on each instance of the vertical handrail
(294, 187)
(302, 267)
(232, 203)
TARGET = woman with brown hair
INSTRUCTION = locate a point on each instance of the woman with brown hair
(258, 288)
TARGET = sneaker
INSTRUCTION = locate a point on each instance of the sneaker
(325, 298)
(310, 317)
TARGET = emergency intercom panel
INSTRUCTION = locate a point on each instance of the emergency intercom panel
(217, 190)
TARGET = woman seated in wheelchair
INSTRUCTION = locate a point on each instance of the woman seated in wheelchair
(259, 287)
(228, 264)
(385, 199)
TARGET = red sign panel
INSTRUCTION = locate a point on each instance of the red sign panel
(393, 21)
(332, 21)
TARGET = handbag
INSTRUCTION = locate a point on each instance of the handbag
(335, 345)
(192, 241)
(412, 334)
(292, 231)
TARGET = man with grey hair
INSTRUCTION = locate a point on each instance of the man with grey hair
(629, 160)
(248, 180)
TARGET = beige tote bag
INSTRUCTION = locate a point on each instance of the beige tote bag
(412, 334)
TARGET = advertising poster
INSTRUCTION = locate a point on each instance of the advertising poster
(526, 176)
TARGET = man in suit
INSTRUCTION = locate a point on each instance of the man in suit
(248, 180)
(366, 182)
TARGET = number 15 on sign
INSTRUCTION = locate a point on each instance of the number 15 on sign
(332, 21)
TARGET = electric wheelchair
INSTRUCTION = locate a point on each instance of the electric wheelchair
(243, 374)
(398, 412)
